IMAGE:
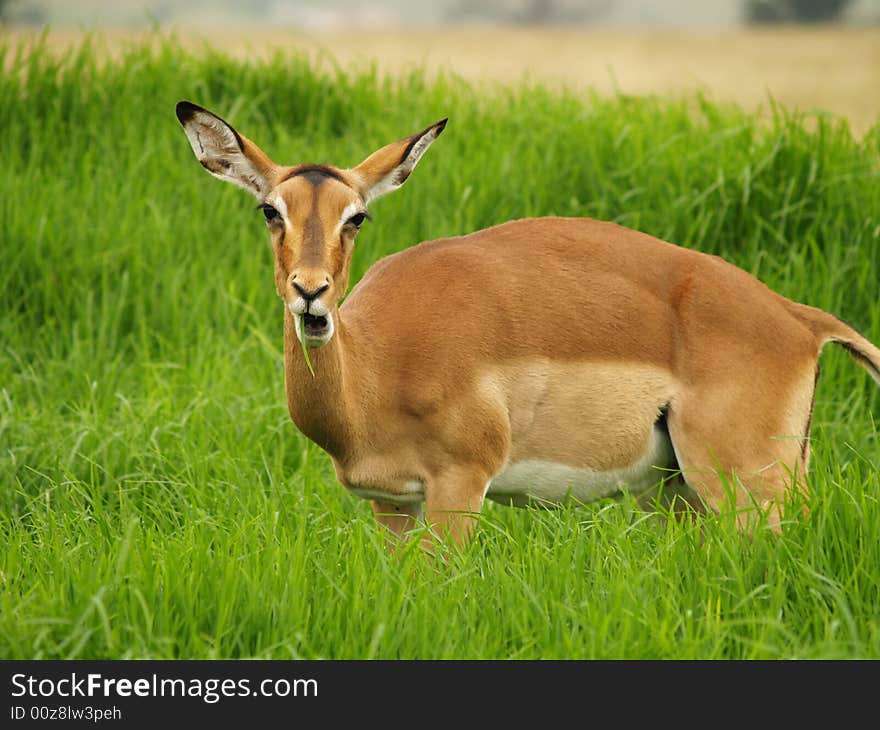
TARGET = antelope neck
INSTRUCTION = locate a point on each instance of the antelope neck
(318, 405)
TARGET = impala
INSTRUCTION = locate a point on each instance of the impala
(538, 360)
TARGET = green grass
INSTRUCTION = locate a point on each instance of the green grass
(155, 500)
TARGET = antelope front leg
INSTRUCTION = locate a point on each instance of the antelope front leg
(399, 519)
(453, 500)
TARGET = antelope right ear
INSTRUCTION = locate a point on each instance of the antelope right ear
(224, 152)
(388, 168)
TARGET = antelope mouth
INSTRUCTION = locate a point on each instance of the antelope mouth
(315, 327)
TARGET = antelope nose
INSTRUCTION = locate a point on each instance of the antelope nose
(313, 294)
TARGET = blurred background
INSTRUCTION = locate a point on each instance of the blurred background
(317, 15)
(810, 55)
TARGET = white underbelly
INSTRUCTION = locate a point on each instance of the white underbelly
(413, 493)
(536, 481)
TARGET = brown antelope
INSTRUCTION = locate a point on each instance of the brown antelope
(537, 360)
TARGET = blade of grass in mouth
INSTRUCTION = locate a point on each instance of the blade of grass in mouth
(302, 341)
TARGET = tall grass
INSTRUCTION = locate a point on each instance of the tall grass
(155, 500)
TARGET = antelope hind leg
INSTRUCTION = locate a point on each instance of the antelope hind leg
(757, 436)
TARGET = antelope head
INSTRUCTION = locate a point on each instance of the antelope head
(313, 212)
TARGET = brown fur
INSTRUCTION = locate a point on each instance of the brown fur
(551, 338)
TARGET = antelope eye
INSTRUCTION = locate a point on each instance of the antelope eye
(269, 212)
(357, 219)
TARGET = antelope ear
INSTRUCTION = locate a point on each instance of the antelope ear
(224, 152)
(388, 168)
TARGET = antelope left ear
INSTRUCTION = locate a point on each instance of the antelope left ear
(225, 153)
(388, 168)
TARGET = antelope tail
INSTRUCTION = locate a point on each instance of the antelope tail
(829, 328)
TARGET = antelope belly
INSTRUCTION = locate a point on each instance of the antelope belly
(412, 493)
(536, 481)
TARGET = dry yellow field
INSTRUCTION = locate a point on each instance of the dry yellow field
(830, 69)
